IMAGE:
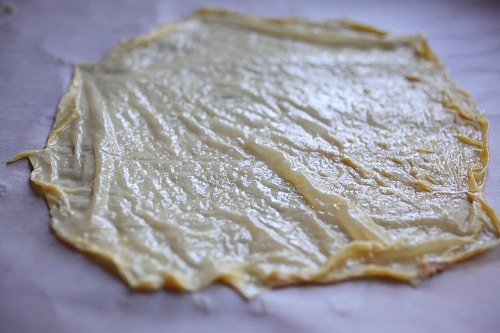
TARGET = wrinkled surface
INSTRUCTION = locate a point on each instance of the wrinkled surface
(267, 153)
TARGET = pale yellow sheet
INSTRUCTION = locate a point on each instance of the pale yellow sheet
(264, 153)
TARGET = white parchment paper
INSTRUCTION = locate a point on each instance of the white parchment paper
(46, 286)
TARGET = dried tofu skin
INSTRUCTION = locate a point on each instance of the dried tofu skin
(266, 152)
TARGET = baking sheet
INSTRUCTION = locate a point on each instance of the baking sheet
(46, 286)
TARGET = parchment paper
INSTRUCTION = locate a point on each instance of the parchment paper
(46, 286)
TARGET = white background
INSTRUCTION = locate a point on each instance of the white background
(46, 286)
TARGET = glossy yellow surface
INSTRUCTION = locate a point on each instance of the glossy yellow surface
(264, 153)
